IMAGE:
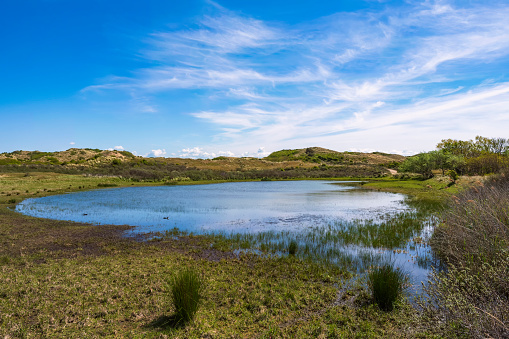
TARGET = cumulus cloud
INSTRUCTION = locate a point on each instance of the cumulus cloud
(72, 143)
(116, 148)
(200, 153)
(258, 154)
(155, 153)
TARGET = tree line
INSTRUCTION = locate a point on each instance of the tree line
(480, 156)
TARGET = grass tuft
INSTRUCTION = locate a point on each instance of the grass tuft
(186, 290)
(387, 284)
(292, 247)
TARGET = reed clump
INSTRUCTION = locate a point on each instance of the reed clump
(186, 290)
(292, 248)
(386, 284)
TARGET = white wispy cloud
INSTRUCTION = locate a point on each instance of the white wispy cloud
(368, 79)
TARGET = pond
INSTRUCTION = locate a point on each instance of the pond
(334, 221)
(243, 207)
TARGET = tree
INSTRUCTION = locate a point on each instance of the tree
(421, 163)
(493, 145)
(457, 147)
(425, 163)
(472, 149)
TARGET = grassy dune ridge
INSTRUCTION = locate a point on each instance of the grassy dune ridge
(305, 163)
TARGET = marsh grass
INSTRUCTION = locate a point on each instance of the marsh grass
(386, 283)
(187, 292)
(347, 244)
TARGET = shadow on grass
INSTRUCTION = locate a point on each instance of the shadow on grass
(167, 322)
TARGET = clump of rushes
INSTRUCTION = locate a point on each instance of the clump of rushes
(386, 284)
(186, 289)
(292, 247)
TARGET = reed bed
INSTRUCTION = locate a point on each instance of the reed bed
(352, 244)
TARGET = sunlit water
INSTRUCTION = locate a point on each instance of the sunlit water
(228, 208)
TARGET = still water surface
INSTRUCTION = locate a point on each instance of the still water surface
(227, 207)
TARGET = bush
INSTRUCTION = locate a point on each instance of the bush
(472, 295)
(473, 303)
(106, 185)
(453, 175)
(186, 290)
(386, 284)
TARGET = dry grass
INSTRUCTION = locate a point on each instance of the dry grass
(472, 297)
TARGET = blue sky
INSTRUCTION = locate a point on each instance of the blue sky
(244, 78)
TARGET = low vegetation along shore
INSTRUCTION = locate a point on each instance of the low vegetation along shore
(65, 279)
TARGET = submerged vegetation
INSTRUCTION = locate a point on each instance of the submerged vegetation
(352, 245)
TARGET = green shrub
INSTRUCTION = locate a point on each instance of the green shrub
(106, 185)
(4, 260)
(53, 160)
(127, 154)
(9, 162)
(186, 290)
(36, 155)
(453, 175)
(386, 284)
(292, 247)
